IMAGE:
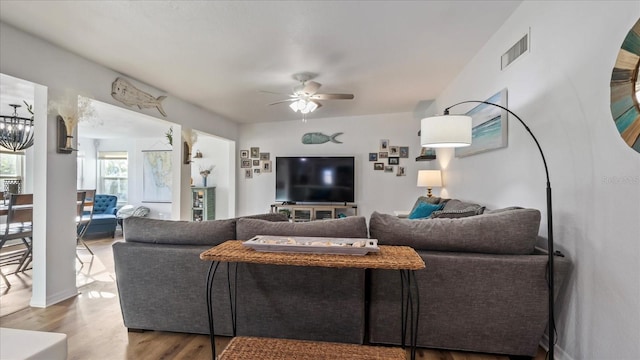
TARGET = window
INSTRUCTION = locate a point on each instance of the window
(11, 165)
(113, 170)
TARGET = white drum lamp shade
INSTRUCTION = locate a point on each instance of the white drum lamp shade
(445, 131)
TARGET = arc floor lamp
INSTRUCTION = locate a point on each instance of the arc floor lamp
(456, 131)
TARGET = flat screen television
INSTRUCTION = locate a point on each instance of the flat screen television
(315, 179)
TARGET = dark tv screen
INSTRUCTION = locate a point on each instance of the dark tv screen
(315, 179)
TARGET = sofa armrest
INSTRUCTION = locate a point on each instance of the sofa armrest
(473, 302)
(162, 288)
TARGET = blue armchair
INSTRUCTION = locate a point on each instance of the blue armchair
(104, 215)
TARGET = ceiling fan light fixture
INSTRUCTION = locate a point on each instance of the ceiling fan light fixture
(303, 106)
(310, 107)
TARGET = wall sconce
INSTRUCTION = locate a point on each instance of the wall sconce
(198, 155)
(64, 137)
(186, 153)
(69, 109)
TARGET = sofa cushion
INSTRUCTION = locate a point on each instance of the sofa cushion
(508, 232)
(349, 227)
(210, 232)
(102, 218)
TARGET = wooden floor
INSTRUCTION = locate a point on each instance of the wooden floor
(93, 322)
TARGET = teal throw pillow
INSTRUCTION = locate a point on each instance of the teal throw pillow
(424, 210)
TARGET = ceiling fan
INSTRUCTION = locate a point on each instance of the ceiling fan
(305, 96)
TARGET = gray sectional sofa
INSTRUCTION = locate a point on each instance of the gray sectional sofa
(484, 287)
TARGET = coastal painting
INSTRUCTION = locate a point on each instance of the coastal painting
(489, 126)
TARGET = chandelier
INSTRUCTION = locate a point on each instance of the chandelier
(16, 133)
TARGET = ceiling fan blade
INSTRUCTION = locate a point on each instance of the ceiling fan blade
(276, 93)
(284, 101)
(332, 97)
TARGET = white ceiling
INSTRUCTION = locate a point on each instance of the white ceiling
(221, 54)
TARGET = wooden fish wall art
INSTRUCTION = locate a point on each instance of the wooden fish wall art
(123, 91)
(319, 138)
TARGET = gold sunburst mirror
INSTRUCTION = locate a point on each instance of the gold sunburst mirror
(625, 89)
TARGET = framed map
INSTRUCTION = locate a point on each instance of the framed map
(156, 176)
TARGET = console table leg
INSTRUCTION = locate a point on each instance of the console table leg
(410, 304)
(415, 311)
(233, 295)
(210, 276)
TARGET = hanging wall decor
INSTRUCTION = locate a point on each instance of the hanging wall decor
(489, 126)
(123, 91)
(156, 176)
(315, 138)
(625, 89)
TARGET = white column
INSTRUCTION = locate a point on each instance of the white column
(54, 192)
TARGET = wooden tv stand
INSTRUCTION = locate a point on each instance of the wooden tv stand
(309, 212)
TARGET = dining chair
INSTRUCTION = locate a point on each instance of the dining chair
(84, 217)
(17, 234)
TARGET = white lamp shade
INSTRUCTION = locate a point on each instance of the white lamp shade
(446, 131)
(429, 178)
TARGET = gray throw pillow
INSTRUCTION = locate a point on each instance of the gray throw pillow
(454, 214)
(349, 227)
(509, 232)
(455, 204)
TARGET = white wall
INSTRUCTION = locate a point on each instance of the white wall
(375, 190)
(216, 152)
(561, 90)
(35, 60)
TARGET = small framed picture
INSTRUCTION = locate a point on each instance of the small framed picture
(394, 151)
(266, 166)
(255, 152)
(373, 156)
(401, 171)
(394, 160)
(384, 145)
(428, 153)
(244, 154)
(245, 163)
(404, 151)
(256, 171)
(378, 166)
(256, 162)
(388, 169)
(248, 174)
(264, 156)
(383, 155)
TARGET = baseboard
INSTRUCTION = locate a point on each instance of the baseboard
(558, 352)
(55, 298)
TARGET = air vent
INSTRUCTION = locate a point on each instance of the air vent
(519, 48)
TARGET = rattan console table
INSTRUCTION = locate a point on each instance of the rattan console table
(402, 258)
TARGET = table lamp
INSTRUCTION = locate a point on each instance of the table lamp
(429, 179)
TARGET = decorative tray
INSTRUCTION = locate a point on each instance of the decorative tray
(316, 245)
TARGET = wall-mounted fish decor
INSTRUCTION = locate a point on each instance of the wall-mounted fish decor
(126, 93)
(319, 138)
